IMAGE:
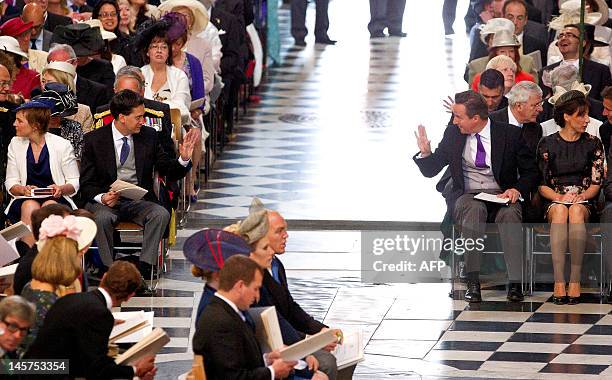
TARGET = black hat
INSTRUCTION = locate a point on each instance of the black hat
(84, 39)
(63, 101)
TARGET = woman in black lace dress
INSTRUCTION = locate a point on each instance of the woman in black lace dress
(572, 165)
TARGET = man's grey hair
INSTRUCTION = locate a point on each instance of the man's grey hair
(522, 91)
(130, 72)
(17, 307)
(62, 47)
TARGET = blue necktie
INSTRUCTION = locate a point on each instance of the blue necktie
(248, 320)
(125, 151)
(275, 270)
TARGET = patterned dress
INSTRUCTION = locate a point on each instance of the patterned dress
(43, 301)
(571, 166)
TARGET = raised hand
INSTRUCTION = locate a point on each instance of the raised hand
(186, 148)
(448, 104)
(422, 141)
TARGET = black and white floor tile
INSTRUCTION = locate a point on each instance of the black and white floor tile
(332, 140)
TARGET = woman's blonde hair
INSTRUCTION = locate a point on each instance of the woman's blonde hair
(206, 275)
(62, 77)
(132, 24)
(500, 60)
(58, 262)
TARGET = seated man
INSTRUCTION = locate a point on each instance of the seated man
(225, 336)
(483, 156)
(78, 325)
(16, 317)
(128, 151)
(157, 114)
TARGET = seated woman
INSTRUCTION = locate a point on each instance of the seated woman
(64, 73)
(63, 103)
(126, 18)
(38, 159)
(143, 12)
(107, 15)
(164, 82)
(508, 68)
(57, 264)
(26, 80)
(572, 167)
(504, 43)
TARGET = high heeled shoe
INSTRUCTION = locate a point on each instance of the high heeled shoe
(573, 300)
(560, 300)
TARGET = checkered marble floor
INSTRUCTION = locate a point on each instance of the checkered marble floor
(332, 140)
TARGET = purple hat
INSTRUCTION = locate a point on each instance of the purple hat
(208, 249)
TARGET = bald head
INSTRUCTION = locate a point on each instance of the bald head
(34, 13)
(277, 232)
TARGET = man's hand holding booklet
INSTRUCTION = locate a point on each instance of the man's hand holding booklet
(128, 190)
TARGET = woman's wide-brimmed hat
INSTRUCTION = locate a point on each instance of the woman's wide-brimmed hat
(210, 248)
(561, 95)
(200, 14)
(62, 99)
(84, 39)
(493, 26)
(504, 38)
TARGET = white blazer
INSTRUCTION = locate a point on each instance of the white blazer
(179, 96)
(63, 164)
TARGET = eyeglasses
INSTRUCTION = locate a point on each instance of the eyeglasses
(13, 328)
(160, 47)
(107, 14)
(568, 35)
(6, 83)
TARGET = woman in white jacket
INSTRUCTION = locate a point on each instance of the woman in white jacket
(37, 159)
(163, 82)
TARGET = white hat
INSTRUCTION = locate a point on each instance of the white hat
(61, 66)
(493, 26)
(504, 38)
(570, 5)
(10, 44)
(200, 14)
(558, 91)
(106, 35)
(86, 236)
(570, 14)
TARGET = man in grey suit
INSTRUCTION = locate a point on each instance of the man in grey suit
(40, 38)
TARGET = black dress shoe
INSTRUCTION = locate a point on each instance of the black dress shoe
(515, 293)
(378, 35)
(472, 294)
(397, 34)
(144, 290)
(145, 270)
(325, 41)
(300, 43)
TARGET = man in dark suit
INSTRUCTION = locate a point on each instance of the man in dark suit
(17, 315)
(593, 73)
(483, 156)
(88, 92)
(298, 22)
(531, 35)
(78, 325)
(52, 20)
(225, 334)
(40, 38)
(128, 151)
(386, 14)
(157, 114)
(605, 132)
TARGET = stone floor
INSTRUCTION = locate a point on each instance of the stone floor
(330, 147)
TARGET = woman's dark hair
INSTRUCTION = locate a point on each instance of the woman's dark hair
(149, 31)
(96, 11)
(568, 104)
(517, 56)
(39, 117)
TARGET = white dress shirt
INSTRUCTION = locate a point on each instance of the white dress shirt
(512, 120)
(107, 298)
(485, 138)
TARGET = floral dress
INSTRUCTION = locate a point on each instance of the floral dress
(43, 301)
(571, 166)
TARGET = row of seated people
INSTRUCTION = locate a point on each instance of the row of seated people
(122, 149)
(509, 33)
(186, 61)
(552, 172)
(240, 267)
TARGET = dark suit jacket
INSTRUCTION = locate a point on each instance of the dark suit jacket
(510, 156)
(232, 60)
(100, 71)
(53, 20)
(605, 132)
(165, 135)
(99, 168)
(595, 74)
(46, 40)
(77, 328)
(91, 93)
(228, 345)
(286, 305)
(531, 132)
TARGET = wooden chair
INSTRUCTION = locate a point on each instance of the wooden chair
(177, 136)
(197, 369)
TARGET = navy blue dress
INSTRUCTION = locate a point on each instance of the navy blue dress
(39, 175)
